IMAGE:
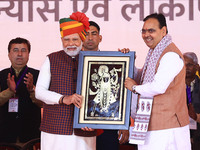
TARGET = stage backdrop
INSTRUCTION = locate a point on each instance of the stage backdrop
(120, 22)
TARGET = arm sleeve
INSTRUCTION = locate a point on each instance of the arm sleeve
(170, 65)
(5, 96)
(137, 74)
(42, 91)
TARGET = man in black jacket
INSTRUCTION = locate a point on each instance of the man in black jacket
(20, 112)
(193, 97)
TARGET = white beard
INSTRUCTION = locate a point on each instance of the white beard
(72, 53)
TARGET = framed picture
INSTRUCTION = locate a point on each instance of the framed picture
(106, 102)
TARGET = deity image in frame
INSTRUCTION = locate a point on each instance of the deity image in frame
(104, 94)
(106, 102)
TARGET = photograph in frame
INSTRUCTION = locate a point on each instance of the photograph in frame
(106, 102)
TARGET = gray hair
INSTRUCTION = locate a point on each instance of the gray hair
(192, 56)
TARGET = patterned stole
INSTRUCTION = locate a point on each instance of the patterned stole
(144, 104)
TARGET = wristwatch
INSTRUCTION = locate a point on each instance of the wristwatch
(33, 89)
(134, 89)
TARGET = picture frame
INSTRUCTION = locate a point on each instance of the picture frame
(106, 102)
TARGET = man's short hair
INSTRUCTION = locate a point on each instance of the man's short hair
(19, 40)
(92, 23)
(192, 56)
(160, 17)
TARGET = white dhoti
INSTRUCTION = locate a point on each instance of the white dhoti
(168, 139)
(67, 142)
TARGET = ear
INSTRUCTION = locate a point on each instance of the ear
(9, 55)
(62, 40)
(197, 67)
(100, 38)
(164, 30)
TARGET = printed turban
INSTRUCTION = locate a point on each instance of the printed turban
(77, 23)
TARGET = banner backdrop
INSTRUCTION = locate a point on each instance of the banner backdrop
(120, 22)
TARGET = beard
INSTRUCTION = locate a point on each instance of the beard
(74, 52)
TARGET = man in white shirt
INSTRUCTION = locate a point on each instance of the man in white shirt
(163, 80)
(56, 87)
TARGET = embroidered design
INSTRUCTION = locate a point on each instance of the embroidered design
(148, 107)
(142, 106)
(152, 59)
(143, 113)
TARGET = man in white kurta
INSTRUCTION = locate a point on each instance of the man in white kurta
(57, 123)
(163, 73)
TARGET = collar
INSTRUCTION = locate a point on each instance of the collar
(192, 85)
(17, 72)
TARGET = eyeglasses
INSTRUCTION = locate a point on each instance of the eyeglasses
(150, 31)
(189, 64)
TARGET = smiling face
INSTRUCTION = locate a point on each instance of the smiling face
(151, 32)
(72, 44)
(18, 55)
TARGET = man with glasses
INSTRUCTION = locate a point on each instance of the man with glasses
(163, 80)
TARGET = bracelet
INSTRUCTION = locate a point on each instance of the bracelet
(33, 90)
(61, 100)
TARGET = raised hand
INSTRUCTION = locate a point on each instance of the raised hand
(11, 83)
(29, 81)
(124, 50)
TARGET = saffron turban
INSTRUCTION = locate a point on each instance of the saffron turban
(77, 23)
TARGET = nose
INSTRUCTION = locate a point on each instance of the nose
(71, 42)
(19, 53)
(145, 35)
(89, 36)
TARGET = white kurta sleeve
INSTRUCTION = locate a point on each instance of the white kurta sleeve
(42, 86)
(170, 65)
